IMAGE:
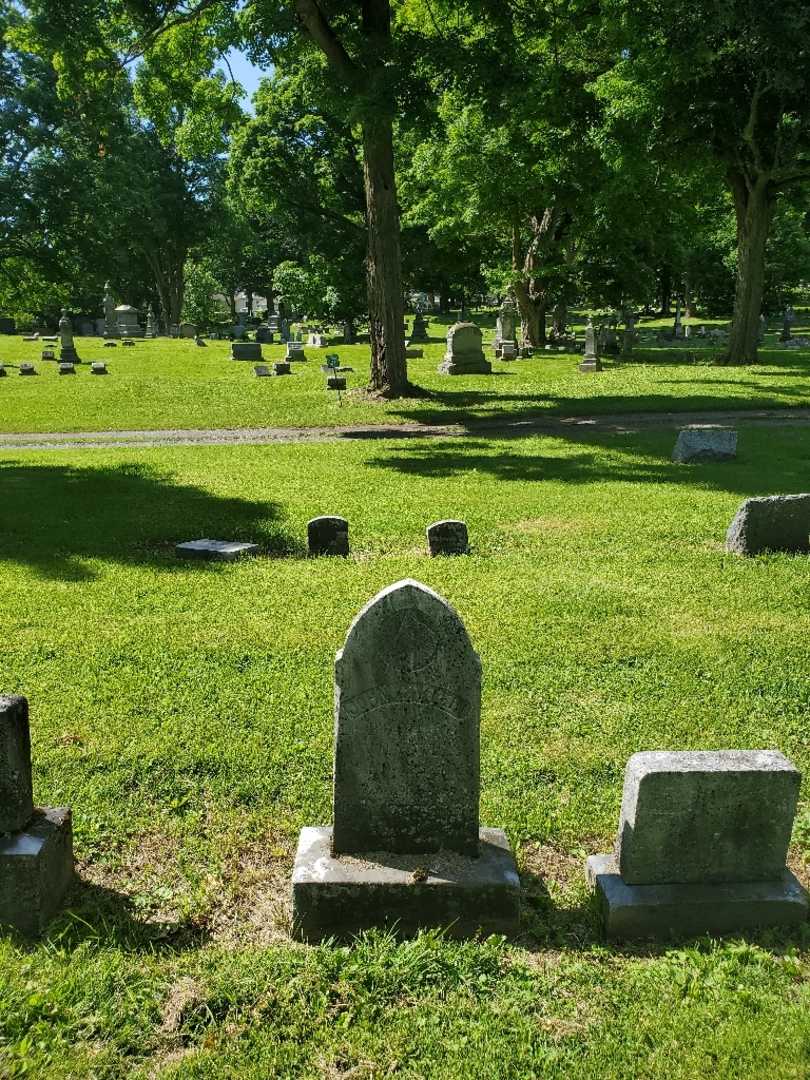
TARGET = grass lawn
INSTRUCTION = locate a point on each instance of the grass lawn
(167, 384)
(185, 712)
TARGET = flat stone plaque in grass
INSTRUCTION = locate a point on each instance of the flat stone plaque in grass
(221, 550)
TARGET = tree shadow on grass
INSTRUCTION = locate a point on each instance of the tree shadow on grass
(56, 516)
(629, 462)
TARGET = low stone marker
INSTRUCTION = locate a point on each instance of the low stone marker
(36, 843)
(328, 535)
(201, 343)
(281, 367)
(771, 523)
(336, 382)
(295, 351)
(507, 350)
(217, 550)
(3, 371)
(187, 330)
(27, 368)
(406, 850)
(705, 444)
(701, 848)
(317, 340)
(464, 355)
(48, 354)
(246, 350)
(67, 368)
(261, 371)
(414, 353)
(448, 538)
(128, 343)
(98, 367)
(110, 344)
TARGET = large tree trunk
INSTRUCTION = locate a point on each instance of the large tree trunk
(754, 205)
(389, 372)
(532, 314)
(665, 285)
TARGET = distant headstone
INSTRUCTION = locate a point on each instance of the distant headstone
(701, 847)
(151, 328)
(705, 444)
(771, 523)
(128, 343)
(66, 368)
(349, 334)
(336, 382)
(110, 344)
(405, 850)
(678, 327)
(201, 343)
(127, 318)
(508, 350)
(216, 550)
(294, 351)
(788, 320)
(414, 354)
(419, 330)
(317, 340)
(246, 350)
(27, 368)
(328, 536)
(282, 367)
(448, 538)
(98, 367)
(506, 331)
(187, 330)
(590, 360)
(284, 331)
(261, 371)
(67, 352)
(3, 371)
(36, 843)
(110, 322)
(464, 355)
(264, 335)
(48, 354)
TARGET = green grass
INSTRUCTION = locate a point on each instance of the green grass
(166, 384)
(185, 712)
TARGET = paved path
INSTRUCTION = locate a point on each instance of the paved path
(501, 428)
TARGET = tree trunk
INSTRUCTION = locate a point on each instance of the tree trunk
(389, 372)
(665, 285)
(559, 318)
(754, 203)
(532, 315)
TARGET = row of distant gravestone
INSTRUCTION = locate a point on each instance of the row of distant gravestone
(701, 847)
(763, 523)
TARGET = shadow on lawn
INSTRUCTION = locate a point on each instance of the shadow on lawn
(56, 516)
(440, 459)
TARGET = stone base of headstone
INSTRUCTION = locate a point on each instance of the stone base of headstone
(705, 444)
(465, 366)
(68, 355)
(771, 523)
(66, 368)
(36, 870)
(110, 344)
(246, 350)
(220, 550)
(342, 896)
(413, 354)
(689, 910)
(590, 363)
(282, 367)
(27, 369)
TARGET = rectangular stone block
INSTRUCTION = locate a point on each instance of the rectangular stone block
(36, 870)
(222, 550)
(342, 897)
(634, 912)
(246, 350)
(16, 791)
(706, 816)
(771, 523)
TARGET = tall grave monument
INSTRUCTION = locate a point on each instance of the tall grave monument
(110, 322)
(464, 355)
(406, 849)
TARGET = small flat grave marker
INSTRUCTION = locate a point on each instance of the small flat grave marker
(128, 343)
(705, 444)
(98, 367)
(217, 550)
(67, 368)
(110, 344)
(48, 354)
(261, 371)
(448, 538)
(27, 368)
(281, 367)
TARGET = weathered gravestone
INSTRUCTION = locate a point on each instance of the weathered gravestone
(66, 368)
(414, 354)
(419, 330)
(701, 848)
(590, 361)
(36, 843)
(110, 322)
(328, 535)
(246, 350)
(705, 444)
(187, 330)
(98, 367)
(464, 354)
(405, 850)
(281, 367)
(151, 327)
(448, 538)
(261, 371)
(294, 351)
(771, 523)
(27, 368)
(264, 335)
(506, 330)
(508, 350)
(215, 550)
(67, 352)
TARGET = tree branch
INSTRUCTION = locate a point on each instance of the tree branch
(166, 24)
(317, 26)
